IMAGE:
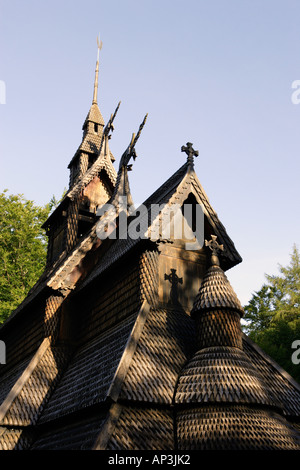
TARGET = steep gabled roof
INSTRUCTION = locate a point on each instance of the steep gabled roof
(102, 163)
(91, 141)
(174, 191)
(121, 380)
(95, 370)
(131, 373)
(136, 381)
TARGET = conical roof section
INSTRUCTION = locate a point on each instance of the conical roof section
(220, 388)
(216, 292)
(94, 115)
(223, 375)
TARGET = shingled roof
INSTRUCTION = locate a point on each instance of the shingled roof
(228, 405)
(104, 353)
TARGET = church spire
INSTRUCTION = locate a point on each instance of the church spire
(99, 44)
(89, 148)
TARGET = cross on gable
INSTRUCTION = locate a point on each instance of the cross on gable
(174, 281)
(173, 278)
(191, 153)
(214, 245)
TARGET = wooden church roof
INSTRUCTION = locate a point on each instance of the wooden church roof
(105, 353)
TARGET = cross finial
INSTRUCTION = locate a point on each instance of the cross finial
(191, 153)
(215, 248)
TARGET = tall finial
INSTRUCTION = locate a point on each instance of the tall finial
(109, 126)
(130, 151)
(106, 133)
(191, 153)
(99, 44)
(215, 248)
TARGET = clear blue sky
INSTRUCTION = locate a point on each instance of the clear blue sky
(216, 73)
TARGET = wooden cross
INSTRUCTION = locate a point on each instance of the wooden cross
(214, 245)
(174, 280)
(191, 153)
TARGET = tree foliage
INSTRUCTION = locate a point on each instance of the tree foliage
(273, 315)
(23, 248)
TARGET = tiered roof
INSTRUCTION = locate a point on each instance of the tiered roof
(98, 360)
(227, 403)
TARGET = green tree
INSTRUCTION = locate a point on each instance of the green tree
(23, 248)
(273, 315)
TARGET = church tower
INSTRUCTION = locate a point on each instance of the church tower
(91, 182)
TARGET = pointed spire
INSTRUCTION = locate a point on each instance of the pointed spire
(94, 114)
(93, 126)
(99, 44)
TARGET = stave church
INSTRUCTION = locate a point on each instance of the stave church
(135, 343)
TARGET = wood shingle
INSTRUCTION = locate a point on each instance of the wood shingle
(136, 343)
